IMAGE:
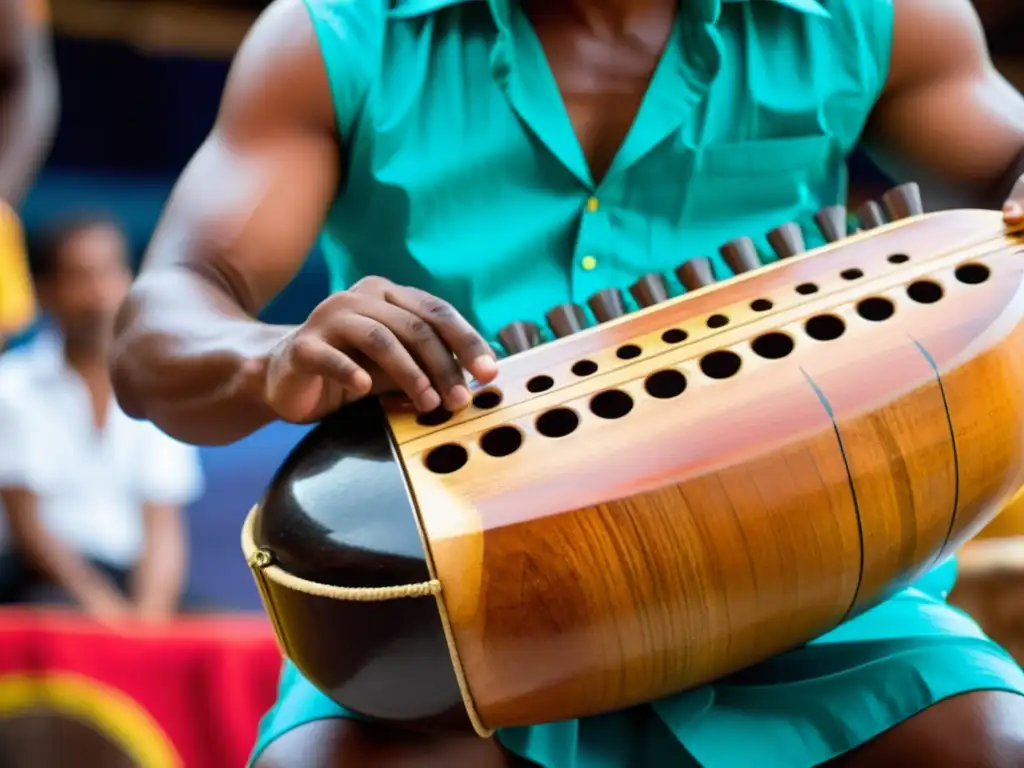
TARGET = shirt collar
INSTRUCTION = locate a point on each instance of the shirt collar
(710, 8)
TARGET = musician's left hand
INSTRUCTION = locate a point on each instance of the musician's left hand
(1013, 210)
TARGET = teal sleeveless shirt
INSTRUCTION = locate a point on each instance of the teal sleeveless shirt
(463, 175)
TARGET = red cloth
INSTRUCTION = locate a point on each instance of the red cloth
(203, 682)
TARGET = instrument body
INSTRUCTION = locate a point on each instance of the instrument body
(664, 499)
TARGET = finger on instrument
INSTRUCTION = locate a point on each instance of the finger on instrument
(469, 347)
(311, 356)
(299, 382)
(423, 342)
(374, 339)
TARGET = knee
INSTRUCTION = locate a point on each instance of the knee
(339, 743)
(977, 730)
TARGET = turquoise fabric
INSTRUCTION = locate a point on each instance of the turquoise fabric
(463, 177)
(796, 710)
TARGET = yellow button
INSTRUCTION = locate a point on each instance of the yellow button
(588, 262)
(593, 204)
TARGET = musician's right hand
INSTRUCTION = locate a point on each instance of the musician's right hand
(376, 337)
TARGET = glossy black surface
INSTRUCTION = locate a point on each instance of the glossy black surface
(338, 513)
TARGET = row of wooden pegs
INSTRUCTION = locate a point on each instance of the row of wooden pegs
(740, 254)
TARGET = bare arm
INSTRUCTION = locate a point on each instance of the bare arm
(946, 115)
(189, 354)
(28, 98)
(89, 587)
(158, 578)
(238, 226)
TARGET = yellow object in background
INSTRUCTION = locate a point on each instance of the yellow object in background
(17, 296)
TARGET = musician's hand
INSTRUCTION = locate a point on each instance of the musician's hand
(1013, 210)
(376, 337)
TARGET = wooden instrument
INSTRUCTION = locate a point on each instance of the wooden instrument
(666, 497)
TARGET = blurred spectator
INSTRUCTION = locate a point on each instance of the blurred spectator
(93, 498)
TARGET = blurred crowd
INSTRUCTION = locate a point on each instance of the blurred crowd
(94, 506)
(93, 499)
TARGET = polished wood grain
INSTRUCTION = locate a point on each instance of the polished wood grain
(696, 535)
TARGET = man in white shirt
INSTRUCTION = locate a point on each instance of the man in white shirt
(93, 498)
(46, 342)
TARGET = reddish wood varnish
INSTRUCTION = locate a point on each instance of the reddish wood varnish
(697, 535)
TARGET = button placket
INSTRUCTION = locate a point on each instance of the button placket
(588, 272)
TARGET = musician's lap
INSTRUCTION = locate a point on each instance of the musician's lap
(976, 730)
(912, 682)
(341, 743)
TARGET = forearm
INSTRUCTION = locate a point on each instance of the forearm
(189, 360)
(158, 579)
(61, 564)
(28, 118)
(66, 568)
(189, 355)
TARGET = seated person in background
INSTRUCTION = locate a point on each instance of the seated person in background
(93, 498)
(28, 114)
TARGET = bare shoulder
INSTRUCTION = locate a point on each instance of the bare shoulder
(933, 40)
(278, 74)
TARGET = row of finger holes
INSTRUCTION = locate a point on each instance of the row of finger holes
(558, 422)
(582, 368)
(827, 327)
(677, 335)
(669, 383)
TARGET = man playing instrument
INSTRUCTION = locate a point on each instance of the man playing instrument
(28, 112)
(476, 162)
